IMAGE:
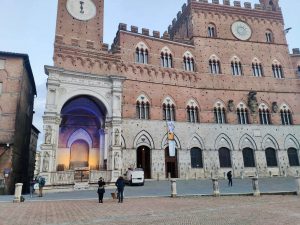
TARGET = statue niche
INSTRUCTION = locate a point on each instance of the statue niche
(252, 101)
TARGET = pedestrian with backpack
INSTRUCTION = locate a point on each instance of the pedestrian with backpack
(229, 177)
(42, 182)
(120, 183)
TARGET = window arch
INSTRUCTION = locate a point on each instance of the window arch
(264, 115)
(169, 110)
(293, 157)
(214, 65)
(166, 58)
(220, 113)
(269, 36)
(225, 158)
(192, 111)
(141, 53)
(142, 108)
(286, 115)
(271, 157)
(196, 158)
(257, 70)
(188, 62)
(277, 70)
(242, 114)
(212, 31)
(236, 67)
(248, 156)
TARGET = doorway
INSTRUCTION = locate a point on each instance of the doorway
(144, 161)
(79, 155)
(171, 164)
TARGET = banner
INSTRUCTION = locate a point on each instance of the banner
(172, 148)
(171, 139)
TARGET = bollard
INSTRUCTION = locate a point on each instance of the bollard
(157, 176)
(298, 185)
(173, 188)
(169, 176)
(18, 192)
(242, 175)
(256, 191)
(216, 190)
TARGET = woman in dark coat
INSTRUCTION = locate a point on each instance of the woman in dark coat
(101, 189)
(120, 183)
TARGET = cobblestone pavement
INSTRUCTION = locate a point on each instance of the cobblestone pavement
(266, 210)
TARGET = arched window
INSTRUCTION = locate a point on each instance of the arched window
(188, 62)
(271, 157)
(277, 70)
(212, 32)
(225, 158)
(248, 156)
(166, 58)
(214, 66)
(169, 110)
(264, 115)
(192, 112)
(269, 36)
(286, 115)
(141, 53)
(196, 158)
(242, 114)
(257, 70)
(220, 113)
(293, 157)
(236, 67)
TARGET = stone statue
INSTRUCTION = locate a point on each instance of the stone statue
(48, 135)
(231, 105)
(274, 107)
(46, 163)
(117, 137)
(117, 161)
(252, 101)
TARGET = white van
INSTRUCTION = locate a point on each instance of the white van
(135, 176)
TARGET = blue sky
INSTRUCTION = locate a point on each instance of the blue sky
(29, 26)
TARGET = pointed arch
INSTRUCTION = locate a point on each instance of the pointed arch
(142, 45)
(291, 142)
(80, 134)
(196, 141)
(223, 141)
(269, 142)
(143, 138)
(247, 141)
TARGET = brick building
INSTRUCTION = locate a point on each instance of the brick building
(17, 92)
(222, 72)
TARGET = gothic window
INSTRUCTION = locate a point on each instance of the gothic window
(264, 115)
(242, 114)
(143, 108)
(192, 112)
(220, 113)
(168, 110)
(293, 157)
(166, 58)
(188, 62)
(211, 30)
(248, 156)
(257, 70)
(141, 54)
(271, 157)
(196, 158)
(225, 158)
(269, 36)
(236, 67)
(277, 70)
(286, 115)
(214, 66)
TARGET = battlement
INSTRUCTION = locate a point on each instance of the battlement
(146, 32)
(296, 51)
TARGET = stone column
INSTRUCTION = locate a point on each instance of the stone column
(256, 191)
(173, 188)
(216, 190)
(298, 185)
(18, 192)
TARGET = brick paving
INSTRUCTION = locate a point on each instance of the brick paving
(266, 210)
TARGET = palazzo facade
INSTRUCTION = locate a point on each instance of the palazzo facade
(222, 73)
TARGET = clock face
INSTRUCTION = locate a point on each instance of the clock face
(81, 9)
(241, 30)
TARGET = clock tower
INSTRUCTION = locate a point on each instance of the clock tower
(80, 25)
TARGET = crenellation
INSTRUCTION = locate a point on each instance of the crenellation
(134, 29)
(226, 2)
(105, 47)
(296, 51)
(237, 4)
(179, 15)
(174, 22)
(258, 6)
(145, 31)
(183, 7)
(122, 26)
(248, 5)
(166, 35)
(215, 1)
(156, 34)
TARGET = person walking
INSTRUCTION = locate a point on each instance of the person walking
(101, 189)
(42, 182)
(229, 177)
(120, 183)
(32, 183)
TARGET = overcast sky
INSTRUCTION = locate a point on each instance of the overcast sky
(28, 26)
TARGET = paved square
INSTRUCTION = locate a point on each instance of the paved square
(266, 210)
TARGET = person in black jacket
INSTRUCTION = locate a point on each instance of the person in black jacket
(101, 189)
(120, 183)
(229, 177)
